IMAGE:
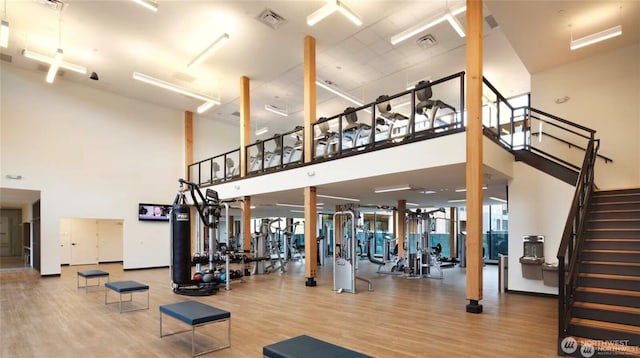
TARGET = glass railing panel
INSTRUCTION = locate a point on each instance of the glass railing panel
(232, 164)
(293, 146)
(254, 158)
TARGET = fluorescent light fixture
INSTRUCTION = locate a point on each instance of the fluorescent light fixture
(597, 37)
(4, 33)
(205, 107)
(318, 15)
(337, 197)
(392, 188)
(413, 204)
(338, 92)
(297, 211)
(348, 13)
(149, 4)
(53, 67)
(462, 190)
(295, 205)
(219, 42)
(46, 59)
(171, 87)
(453, 21)
(329, 8)
(428, 23)
(262, 131)
(252, 207)
(277, 110)
(497, 199)
(457, 201)
(428, 192)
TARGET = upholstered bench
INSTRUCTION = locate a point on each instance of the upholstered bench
(196, 314)
(308, 347)
(91, 274)
(123, 288)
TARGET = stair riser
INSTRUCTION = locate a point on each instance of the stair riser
(610, 269)
(600, 256)
(612, 245)
(626, 198)
(603, 215)
(614, 206)
(618, 300)
(606, 316)
(609, 283)
(614, 224)
(612, 234)
(604, 334)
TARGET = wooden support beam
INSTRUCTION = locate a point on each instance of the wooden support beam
(245, 123)
(401, 224)
(310, 245)
(453, 232)
(309, 95)
(474, 155)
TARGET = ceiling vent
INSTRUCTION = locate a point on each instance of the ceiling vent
(271, 19)
(6, 58)
(55, 5)
(491, 21)
(236, 113)
(426, 41)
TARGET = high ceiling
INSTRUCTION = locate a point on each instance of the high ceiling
(115, 38)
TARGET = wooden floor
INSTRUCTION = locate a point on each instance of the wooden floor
(50, 317)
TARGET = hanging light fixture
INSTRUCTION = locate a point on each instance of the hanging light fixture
(215, 45)
(4, 29)
(149, 4)
(171, 87)
(53, 67)
(329, 8)
(595, 38)
(447, 15)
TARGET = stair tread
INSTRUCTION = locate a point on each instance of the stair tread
(605, 307)
(613, 251)
(612, 263)
(614, 211)
(609, 276)
(605, 325)
(613, 220)
(631, 239)
(608, 291)
(630, 351)
(631, 229)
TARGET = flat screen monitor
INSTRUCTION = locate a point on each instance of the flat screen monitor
(154, 212)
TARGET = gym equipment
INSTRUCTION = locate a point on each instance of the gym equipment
(267, 250)
(124, 288)
(344, 265)
(208, 209)
(90, 274)
(426, 106)
(420, 255)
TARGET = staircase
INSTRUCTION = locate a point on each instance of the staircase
(606, 304)
(555, 168)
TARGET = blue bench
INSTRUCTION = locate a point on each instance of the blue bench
(196, 314)
(91, 274)
(308, 347)
(126, 288)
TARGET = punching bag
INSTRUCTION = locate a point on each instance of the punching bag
(181, 244)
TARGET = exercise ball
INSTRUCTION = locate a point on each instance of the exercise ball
(208, 277)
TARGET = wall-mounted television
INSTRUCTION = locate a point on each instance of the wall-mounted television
(154, 212)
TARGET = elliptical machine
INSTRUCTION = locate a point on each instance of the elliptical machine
(208, 208)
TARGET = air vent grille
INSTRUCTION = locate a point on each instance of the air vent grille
(426, 41)
(271, 19)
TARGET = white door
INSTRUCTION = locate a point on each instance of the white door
(65, 241)
(84, 242)
(110, 238)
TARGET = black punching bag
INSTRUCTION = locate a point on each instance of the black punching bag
(181, 244)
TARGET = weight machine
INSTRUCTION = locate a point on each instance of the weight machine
(345, 263)
(267, 249)
(420, 257)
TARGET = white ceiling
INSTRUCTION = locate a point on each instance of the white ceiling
(114, 38)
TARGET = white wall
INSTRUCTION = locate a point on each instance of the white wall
(92, 154)
(538, 205)
(604, 93)
(213, 137)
